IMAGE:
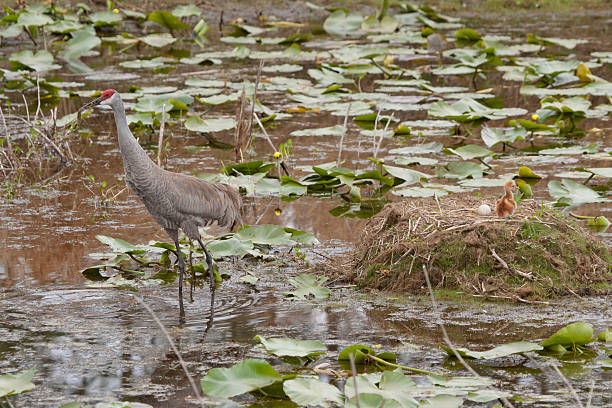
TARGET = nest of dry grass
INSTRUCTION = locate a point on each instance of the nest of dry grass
(536, 254)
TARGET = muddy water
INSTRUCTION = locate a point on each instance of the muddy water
(96, 344)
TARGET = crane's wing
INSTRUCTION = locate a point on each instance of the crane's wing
(203, 200)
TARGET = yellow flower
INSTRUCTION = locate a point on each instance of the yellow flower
(116, 11)
(277, 211)
(382, 161)
(277, 155)
(535, 116)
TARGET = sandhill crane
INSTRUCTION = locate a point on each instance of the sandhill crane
(176, 201)
(506, 205)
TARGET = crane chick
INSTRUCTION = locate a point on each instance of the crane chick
(506, 205)
(176, 201)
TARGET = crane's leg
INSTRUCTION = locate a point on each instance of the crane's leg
(209, 261)
(181, 263)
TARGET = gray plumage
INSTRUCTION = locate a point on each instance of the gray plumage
(176, 201)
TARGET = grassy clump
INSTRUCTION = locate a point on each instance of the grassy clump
(535, 254)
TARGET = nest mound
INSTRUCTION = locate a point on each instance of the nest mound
(535, 254)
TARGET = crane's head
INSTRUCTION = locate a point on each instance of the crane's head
(108, 97)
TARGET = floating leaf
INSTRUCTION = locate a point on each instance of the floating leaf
(496, 352)
(105, 18)
(231, 247)
(13, 384)
(408, 175)
(308, 286)
(246, 376)
(361, 353)
(575, 334)
(469, 110)
(167, 20)
(336, 130)
(525, 172)
(292, 347)
(187, 11)
(568, 192)
(343, 23)
(471, 151)
(120, 246)
(466, 37)
(312, 392)
(461, 170)
(493, 136)
(33, 19)
(589, 149)
(265, 234)
(605, 336)
(431, 147)
(197, 124)
(40, 61)
(158, 40)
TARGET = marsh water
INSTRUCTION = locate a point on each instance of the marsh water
(93, 344)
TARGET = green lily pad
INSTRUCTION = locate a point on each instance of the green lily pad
(265, 234)
(493, 136)
(246, 376)
(197, 124)
(40, 61)
(360, 354)
(336, 130)
(568, 192)
(292, 347)
(119, 245)
(312, 392)
(33, 19)
(431, 147)
(471, 151)
(461, 170)
(605, 336)
(575, 334)
(578, 149)
(167, 20)
(309, 286)
(102, 18)
(496, 352)
(342, 23)
(158, 40)
(187, 11)
(13, 384)
(231, 247)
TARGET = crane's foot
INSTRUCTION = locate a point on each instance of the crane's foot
(181, 263)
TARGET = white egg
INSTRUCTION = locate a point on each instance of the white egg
(484, 210)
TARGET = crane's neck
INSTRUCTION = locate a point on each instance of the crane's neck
(135, 159)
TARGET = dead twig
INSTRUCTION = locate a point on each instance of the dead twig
(505, 265)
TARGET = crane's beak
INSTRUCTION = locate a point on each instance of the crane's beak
(92, 103)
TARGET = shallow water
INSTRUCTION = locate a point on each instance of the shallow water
(99, 344)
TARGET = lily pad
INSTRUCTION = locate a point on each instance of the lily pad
(496, 352)
(197, 124)
(246, 376)
(167, 20)
(568, 192)
(312, 392)
(40, 61)
(343, 23)
(292, 347)
(309, 286)
(13, 384)
(575, 334)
